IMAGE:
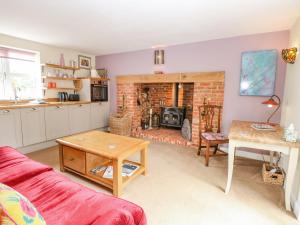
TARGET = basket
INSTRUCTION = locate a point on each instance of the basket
(120, 124)
(276, 178)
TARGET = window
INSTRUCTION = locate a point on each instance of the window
(20, 75)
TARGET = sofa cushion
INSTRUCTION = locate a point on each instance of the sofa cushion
(16, 209)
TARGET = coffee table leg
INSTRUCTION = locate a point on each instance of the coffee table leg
(144, 159)
(117, 177)
(61, 164)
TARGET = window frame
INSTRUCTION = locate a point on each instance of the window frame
(37, 76)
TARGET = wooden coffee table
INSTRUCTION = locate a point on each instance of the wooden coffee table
(82, 152)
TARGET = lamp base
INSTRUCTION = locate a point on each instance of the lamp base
(270, 124)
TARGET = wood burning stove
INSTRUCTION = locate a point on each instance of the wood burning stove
(172, 116)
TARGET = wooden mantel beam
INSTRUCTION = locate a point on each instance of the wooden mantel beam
(172, 77)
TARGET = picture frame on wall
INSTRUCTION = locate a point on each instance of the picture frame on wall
(258, 73)
(84, 62)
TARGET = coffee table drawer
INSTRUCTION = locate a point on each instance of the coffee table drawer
(74, 159)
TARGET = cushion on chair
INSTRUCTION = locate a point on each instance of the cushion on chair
(16, 209)
(210, 136)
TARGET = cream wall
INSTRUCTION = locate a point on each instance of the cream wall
(48, 54)
(291, 105)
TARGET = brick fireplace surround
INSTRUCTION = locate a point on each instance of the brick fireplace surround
(208, 85)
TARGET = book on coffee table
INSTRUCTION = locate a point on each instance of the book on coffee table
(127, 170)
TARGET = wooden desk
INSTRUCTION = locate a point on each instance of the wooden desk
(243, 135)
(82, 152)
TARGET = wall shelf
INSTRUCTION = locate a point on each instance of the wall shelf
(98, 79)
(76, 81)
(60, 67)
(61, 89)
(60, 78)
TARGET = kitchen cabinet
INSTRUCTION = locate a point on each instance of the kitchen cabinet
(10, 128)
(79, 118)
(105, 113)
(99, 115)
(57, 122)
(33, 125)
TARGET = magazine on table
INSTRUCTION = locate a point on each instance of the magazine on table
(98, 169)
(127, 170)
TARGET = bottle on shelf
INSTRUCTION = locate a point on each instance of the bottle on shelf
(62, 60)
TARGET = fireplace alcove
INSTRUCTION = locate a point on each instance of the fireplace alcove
(164, 92)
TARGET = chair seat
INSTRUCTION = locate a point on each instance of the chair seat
(211, 136)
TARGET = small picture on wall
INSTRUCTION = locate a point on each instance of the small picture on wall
(258, 73)
(84, 62)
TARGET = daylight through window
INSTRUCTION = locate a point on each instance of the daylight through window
(20, 76)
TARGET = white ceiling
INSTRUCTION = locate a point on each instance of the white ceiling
(111, 26)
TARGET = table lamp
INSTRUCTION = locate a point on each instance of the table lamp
(271, 102)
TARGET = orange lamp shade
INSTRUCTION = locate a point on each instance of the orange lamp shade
(271, 102)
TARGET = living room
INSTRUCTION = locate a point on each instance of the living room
(143, 112)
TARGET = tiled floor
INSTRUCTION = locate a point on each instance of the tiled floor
(170, 136)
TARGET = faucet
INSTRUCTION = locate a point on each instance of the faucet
(16, 97)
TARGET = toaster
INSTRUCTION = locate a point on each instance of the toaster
(74, 97)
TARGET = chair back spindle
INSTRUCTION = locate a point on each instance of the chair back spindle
(207, 115)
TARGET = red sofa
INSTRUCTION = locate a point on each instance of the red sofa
(60, 200)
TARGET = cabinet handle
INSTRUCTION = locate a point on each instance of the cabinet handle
(58, 107)
(33, 109)
(80, 105)
(6, 111)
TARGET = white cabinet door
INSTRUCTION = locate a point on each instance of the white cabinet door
(106, 113)
(33, 125)
(57, 122)
(79, 118)
(96, 115)
(99, 115)
(10, 128)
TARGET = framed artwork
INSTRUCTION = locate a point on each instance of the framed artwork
(258, 73)
(84, 62)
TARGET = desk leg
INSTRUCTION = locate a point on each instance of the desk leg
(231, 152)
(117, 177)
(293, 158)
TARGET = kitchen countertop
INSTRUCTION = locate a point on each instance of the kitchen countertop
(47, 104)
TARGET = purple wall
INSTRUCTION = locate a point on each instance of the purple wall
(215, 55)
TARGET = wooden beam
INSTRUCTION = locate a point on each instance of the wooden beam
(172, 77)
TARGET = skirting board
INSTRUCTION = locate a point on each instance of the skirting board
(44, 145)
(296, 207)
(37, 147)
(247, 154)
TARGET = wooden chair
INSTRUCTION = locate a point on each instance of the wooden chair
(210, 135)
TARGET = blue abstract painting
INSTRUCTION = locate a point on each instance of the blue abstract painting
(258, 73)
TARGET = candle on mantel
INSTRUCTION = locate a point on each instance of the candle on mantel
(150, 119)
